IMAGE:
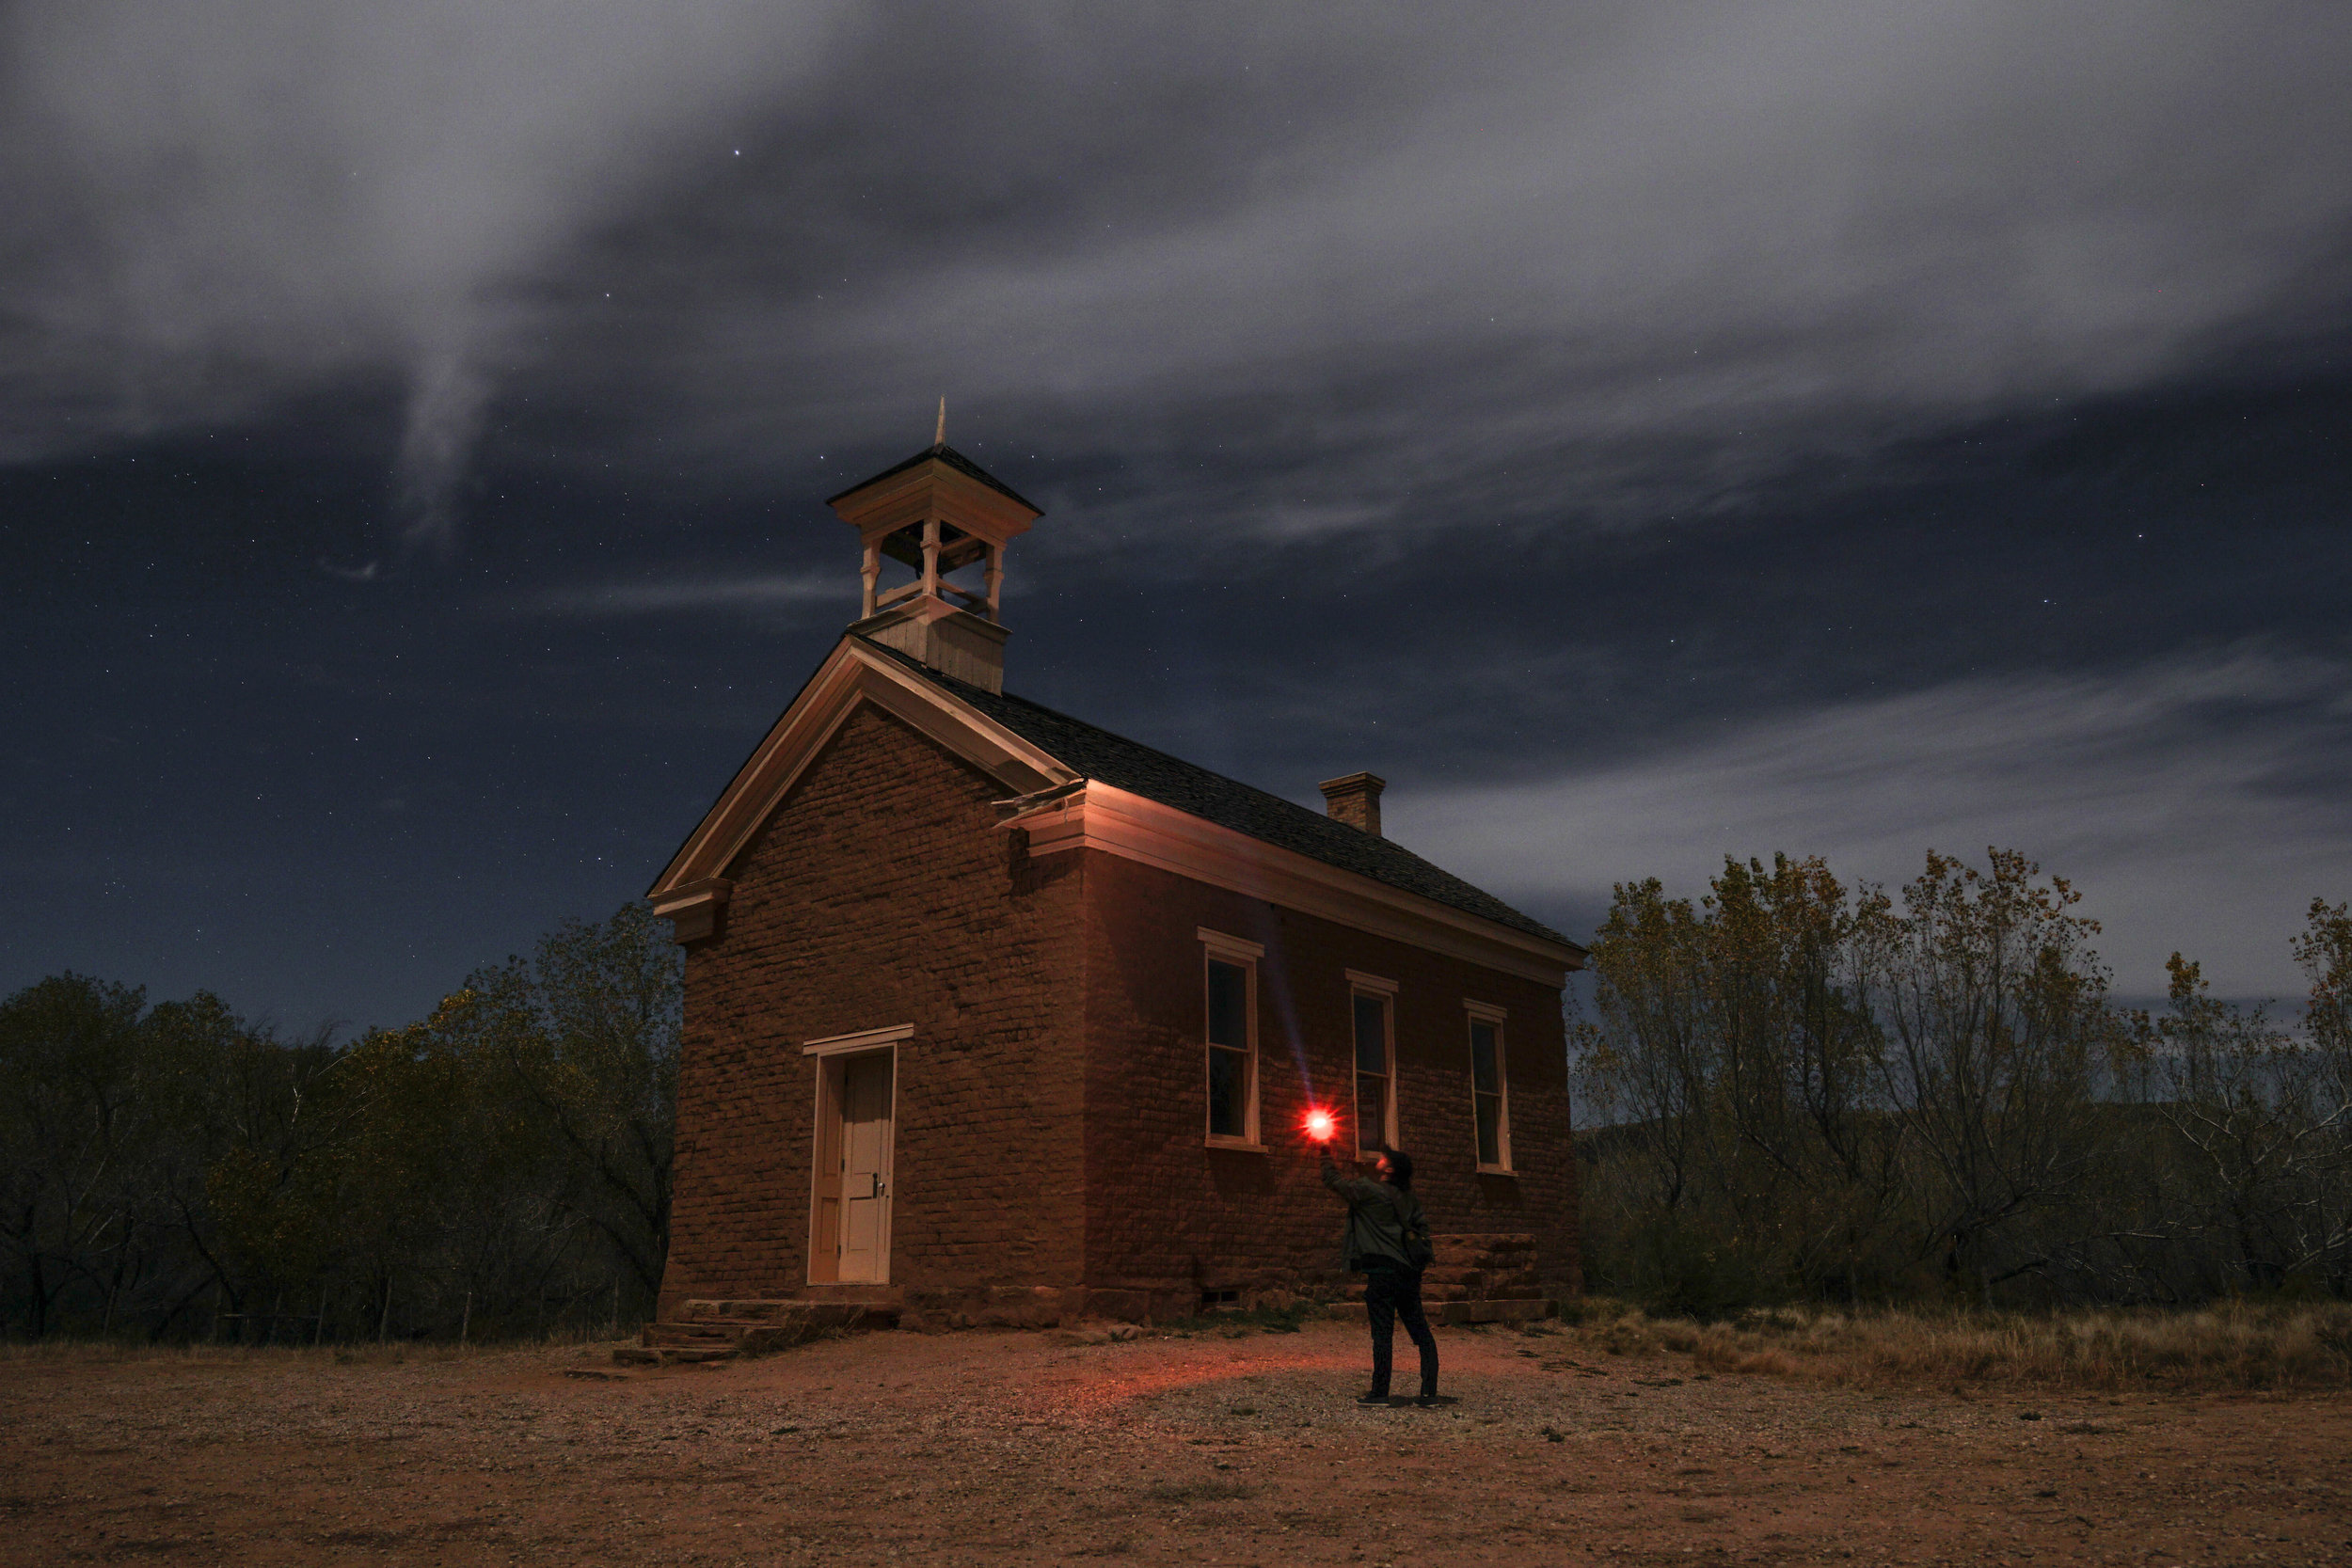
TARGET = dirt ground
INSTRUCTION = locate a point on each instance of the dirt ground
(1231, 1447)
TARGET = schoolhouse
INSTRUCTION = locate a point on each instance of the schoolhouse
(992, 1015)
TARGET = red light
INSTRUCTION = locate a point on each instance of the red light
(1320, 1125)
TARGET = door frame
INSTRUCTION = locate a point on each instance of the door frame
(830, 1054)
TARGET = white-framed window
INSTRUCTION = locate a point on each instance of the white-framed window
(1229, 980)
(1372, 1015)
(1490, 1094)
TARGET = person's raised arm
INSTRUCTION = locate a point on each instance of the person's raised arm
(1355, 1189)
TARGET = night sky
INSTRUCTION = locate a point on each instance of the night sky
(1639, 433)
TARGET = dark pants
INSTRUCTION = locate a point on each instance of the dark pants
(1390, 1294)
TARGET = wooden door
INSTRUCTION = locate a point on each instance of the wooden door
(865, 1142)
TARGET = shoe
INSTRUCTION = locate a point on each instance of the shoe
(1372, 1399)
(1427, 1402)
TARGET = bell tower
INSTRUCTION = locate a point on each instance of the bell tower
(938, 514)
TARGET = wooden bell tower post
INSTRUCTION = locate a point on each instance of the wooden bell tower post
(938, 514)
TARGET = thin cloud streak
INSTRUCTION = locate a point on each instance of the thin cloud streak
(2196, 802)
(697, 594)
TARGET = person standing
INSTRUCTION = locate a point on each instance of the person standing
(1387, 1232)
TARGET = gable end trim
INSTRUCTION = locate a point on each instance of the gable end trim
(852, 675)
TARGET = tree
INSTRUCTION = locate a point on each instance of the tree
(587, 1029)
(1998, 1039)
(1730, 1037)
(73, 1107)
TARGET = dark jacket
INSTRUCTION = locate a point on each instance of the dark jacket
(1377, 1215)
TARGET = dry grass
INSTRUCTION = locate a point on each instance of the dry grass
(2234, 1346)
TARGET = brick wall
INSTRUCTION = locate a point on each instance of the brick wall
(1051, 1102)
(1168, 1217)
(879, 894)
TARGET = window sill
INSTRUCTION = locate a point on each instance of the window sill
(1485, 1170)
(1243, 1145)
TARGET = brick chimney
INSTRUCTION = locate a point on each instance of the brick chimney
(1355, 800)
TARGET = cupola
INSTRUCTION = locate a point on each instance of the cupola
(939, 515)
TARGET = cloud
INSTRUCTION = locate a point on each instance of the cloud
(1294, 274)
(692, 595)
(218, 203)
(2195, 801)
(1595, 259)
(445, 408)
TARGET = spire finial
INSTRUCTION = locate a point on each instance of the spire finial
(938, 438)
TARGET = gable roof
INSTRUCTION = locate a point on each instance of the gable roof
(1093, 753)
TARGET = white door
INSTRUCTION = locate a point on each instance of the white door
(865, 1167)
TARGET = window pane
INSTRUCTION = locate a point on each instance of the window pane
(1489, 1128)
(1229, 1004)
(1372, 1109)
(1485, 1071)
(1229, 1084)
(1372, 1034)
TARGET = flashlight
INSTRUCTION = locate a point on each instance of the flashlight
(1320, 1125)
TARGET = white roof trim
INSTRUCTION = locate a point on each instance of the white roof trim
(854, 673)
(1138, 828)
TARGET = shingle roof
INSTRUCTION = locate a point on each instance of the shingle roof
(1131, 766)
(955, 460)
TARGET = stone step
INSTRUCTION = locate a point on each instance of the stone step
(836, 1305)
(1457, 1313)
(704, 1334)
(671, 1355)
(1496, 1311)
(733, 1311)
(1520, 1285)
(1487, 1282)
(1507, 1252)
(856, 1292)
(721, 1330)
